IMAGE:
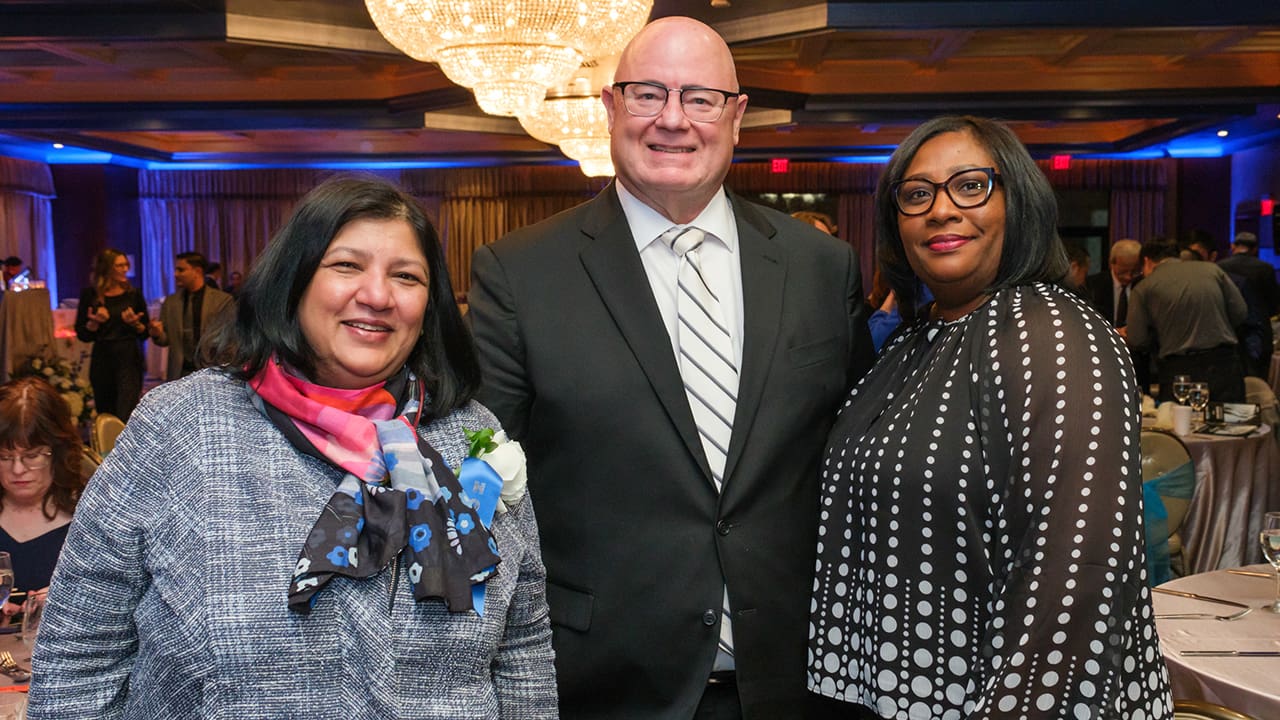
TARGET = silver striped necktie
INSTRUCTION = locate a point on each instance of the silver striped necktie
(709, 372)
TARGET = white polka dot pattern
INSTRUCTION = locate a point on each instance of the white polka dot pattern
(980, 548)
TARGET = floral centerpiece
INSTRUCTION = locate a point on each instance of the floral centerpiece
(64, 376)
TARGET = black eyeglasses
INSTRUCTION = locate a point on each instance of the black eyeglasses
(646, 99)
(967, 189)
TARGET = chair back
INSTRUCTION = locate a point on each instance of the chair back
(1168, 482)
(1258, 392)
(1200, 710)
(89, 462)
(106, 428)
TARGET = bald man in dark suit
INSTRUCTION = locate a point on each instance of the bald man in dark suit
(645, 524)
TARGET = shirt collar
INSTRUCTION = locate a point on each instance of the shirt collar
(647, 224)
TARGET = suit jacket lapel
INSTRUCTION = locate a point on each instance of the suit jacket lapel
(764, 275)
(611, 261)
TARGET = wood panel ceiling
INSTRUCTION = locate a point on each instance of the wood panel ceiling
(300, 81)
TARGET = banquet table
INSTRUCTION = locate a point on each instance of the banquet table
(26, 328)
(1244, 684)
(1237, 483)
(12, 642)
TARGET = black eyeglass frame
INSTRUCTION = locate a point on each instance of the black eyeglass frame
(622, 86)
(993, 178)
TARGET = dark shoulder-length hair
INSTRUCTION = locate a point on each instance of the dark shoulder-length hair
(1032, 251)
(266, 321)
(33, 414)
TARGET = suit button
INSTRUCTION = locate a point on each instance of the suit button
(722, 527)
(709, 617)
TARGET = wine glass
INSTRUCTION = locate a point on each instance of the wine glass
(1270, 539)
(32, 614)
(1198, 398)
(6, 577)
(1181, 388)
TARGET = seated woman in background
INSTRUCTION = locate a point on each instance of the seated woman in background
(40, 480)
(284, 535)
(981, 548)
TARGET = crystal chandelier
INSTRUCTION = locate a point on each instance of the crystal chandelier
(573, 117)
(508, 52)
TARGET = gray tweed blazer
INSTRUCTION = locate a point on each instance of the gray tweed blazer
(169, 600)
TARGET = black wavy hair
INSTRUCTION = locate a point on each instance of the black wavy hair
(266, 321)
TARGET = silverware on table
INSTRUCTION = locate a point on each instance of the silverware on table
(1194, 596)
(1204, 616)
(1252, 573)
(1229, 653)
(10, 667)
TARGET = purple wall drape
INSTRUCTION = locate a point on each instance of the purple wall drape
(26, 224)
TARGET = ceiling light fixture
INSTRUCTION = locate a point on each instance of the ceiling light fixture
(1223, 133)
(573, 117)
(508, 52)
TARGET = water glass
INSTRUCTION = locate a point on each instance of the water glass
(1181, 388)
(1270, 539)
(1198, 398)
(32, 614)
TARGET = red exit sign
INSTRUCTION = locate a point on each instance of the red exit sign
(779, 165)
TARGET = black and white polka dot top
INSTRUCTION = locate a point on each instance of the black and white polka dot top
(980, 550)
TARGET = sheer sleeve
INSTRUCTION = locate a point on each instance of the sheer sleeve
(1060, 424)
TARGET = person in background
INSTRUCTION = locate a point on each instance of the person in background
(1110, 290)
(40, 481)
(12, 267)
(1199, 243)
(285, 535)
(233, 287)
(981, 548)
(1186, 312)
(822, 221)
(665, 478)
(1257, 283)
(1077, 267)
(112, 315)
(213, 275)
(189, 314)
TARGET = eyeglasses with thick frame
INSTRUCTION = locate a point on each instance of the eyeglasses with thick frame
(35, 460)
(646, 99)
(967, 189)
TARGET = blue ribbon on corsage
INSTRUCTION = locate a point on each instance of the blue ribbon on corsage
(440, 523)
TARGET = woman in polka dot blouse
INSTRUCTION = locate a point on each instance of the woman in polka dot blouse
(980, 551)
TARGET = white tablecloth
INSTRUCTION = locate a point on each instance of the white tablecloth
(1248, 685)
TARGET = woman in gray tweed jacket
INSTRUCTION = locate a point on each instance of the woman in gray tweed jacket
(304, 530)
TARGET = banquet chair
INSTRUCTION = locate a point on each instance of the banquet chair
(1258, 392)
(1201, 710)
(89, 463)
(1168, 480)
(106, 427)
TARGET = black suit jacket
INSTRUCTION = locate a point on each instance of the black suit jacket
(1101, 292)
(638, 545)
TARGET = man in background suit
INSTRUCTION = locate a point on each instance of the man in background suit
(581, 324)
(189, 314)
(1256, 279)
(1107, 290)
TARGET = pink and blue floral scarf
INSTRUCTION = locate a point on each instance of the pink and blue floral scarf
(398, 496)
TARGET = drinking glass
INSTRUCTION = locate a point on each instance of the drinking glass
(1181, 388)
(1270, 539)
(6, 577)
(1198, 398)
(32, 614)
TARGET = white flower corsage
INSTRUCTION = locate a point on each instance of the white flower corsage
(506, 457)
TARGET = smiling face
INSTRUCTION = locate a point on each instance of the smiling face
(671, 163)
(954, 251)
(362, 311)
(120, 270)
